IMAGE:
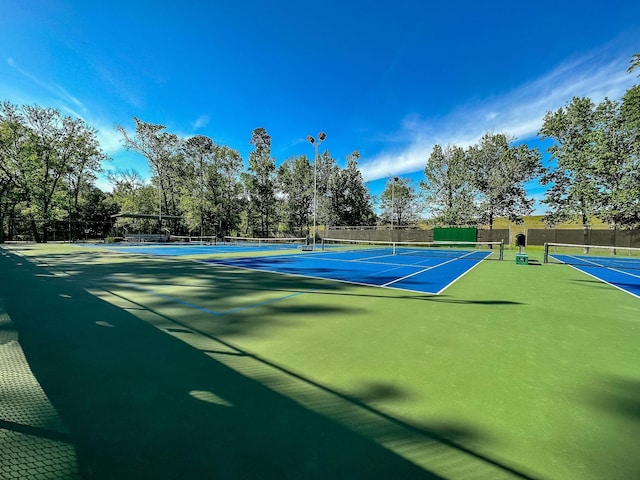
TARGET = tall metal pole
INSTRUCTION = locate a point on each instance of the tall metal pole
(315, 190)
(69, 170)
(159, 207)
(201, 198)
(393, 202)
(393, 205)
(316, 144)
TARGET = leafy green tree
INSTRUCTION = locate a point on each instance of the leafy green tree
(131, 195)
(13, 145)
(198, 153)
(350, 201)
(82, 150)
(211, 197)
(616, 168)
(325, 169)
(7, 199)
(400, 202)
(634, 62)
(448, 186)
(42, 152)
(260, 183)
(573, 181)
(163, 151)
(126, 184)
(499, 174)
(94, 210)
(295, 181)
(225, 189)
(630, 115)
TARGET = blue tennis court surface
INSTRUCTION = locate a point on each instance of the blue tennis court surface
(372, 268)
(622, 273)
(190, 249)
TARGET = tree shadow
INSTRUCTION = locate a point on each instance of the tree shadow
(31, 432)
(620, 396)
(140, 403)
(167, 271)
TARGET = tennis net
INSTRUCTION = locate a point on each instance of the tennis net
(592, 255)
(275, 242)
(443, 249)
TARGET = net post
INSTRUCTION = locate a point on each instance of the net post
(501, 249)
(546, 252)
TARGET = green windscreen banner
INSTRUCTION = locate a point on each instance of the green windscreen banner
(453, 234)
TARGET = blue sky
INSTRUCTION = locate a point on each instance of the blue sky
(389, 79)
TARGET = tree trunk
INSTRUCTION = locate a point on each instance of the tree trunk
(34, 229)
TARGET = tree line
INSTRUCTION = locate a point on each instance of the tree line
(207, 185)
(593, 169)
(49, 164)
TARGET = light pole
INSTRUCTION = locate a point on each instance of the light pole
(393, 202)
(69, 172)
(201, 198)
(159, 206)
(316, 144)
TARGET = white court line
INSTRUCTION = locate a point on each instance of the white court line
(456, 279)
(426, 269)
(596, 264)
(318, 256)
(601, 279)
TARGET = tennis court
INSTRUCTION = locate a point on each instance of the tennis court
(157, 366)
(230, 245)
(619, 267)
(416, 268)
(425, 267)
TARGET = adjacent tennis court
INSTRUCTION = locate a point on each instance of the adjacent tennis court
(617, 266)
(196, 246)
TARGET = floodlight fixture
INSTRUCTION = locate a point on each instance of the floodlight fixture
(316, 144)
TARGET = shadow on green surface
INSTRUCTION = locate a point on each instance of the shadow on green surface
(141, 404)
(620, 396)
(617, 396)
(167, 271)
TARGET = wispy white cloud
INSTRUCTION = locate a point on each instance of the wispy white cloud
(118, 85)
(519, 113)
(57, 90)
(201, 121)
(110, 139)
